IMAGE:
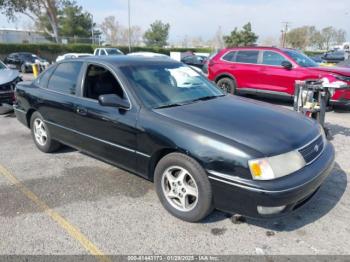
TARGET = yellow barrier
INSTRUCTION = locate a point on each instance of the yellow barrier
(35, 70)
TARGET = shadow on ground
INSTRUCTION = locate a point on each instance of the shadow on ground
(336, 129)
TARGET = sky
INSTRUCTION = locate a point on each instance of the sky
(202, 18)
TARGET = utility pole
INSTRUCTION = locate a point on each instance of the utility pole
(129, 30)
(284, 32)
(92, 29)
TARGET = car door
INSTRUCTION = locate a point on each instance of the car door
(106, 132)
(56, 100)
(274, 77)
(245, 68)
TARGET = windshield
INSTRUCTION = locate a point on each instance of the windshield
(166, 85)
(2, 66)
(113, 51)
(301, 59)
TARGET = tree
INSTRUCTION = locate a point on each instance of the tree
(157, 35)
(243, 37)
(309, 36)
(218, 40)
(111, 28)
(332, 36)
(301, 37)
(74, 21)
(35, 9)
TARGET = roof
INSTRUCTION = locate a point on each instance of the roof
(260, 47)
(123, 60)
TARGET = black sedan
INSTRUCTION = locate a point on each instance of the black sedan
(163, 121)
(195, 60)
(23, 61)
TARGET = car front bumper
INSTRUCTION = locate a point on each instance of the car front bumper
(243, 197)
(6, 97)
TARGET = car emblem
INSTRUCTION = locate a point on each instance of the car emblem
(316, 148)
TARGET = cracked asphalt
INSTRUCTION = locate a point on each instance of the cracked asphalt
(119, 213)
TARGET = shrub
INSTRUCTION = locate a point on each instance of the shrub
(51, 51)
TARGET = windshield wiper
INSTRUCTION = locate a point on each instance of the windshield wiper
(205, 98)
(168, 106)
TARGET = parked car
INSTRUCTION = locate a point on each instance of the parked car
(345, 63)
(71, 56)
(195, 60)
(335, 56)
(161, 120)
(272, 71)
(318, 59)
(107, 52)
(8, 80)
(24, 61)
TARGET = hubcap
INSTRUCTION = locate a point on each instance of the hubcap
(179, 188)
(40, 132)
(225, 87)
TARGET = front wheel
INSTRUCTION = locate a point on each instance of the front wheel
(183, 187)
(228, 85)
(41, 134)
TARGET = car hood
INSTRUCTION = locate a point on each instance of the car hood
(266, 128)
(337, 70)
(8, 75)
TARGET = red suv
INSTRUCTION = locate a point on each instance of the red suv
(267, 70)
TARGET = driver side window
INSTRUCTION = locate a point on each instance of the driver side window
(100, 81)
(272, 58)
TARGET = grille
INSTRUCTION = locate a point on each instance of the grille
(313, 150)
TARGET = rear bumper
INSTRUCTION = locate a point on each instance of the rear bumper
(291, 191)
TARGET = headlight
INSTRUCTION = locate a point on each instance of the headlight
(277, 166)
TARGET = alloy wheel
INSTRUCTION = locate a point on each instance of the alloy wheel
(180, 189)
(40, 132)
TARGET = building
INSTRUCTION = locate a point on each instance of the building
(19, 36)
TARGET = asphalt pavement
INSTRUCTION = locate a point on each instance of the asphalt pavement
(68, 203)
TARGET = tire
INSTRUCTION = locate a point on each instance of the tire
(40, 129)
(228, 85)
(23, 69)
(194, 181)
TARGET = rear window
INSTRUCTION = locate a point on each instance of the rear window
(65, 77)
(249, 57)
(229, 56)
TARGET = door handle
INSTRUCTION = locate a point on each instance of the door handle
(82, 111)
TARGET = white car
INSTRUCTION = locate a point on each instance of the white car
(148, 54)
(107, 51)
(71, 56)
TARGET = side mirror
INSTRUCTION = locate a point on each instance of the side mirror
(287, 65)
(113, 100)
